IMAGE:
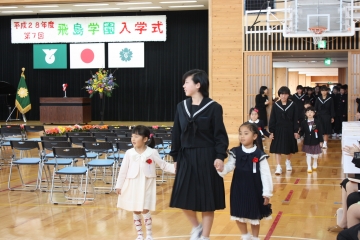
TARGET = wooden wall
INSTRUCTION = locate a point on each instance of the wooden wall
(280, 76)
(226, 59)
(353, 82)
(293, 81)
(324, 79)
(342, 75)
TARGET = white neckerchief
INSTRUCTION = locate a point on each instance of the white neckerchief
(323, 102)
(201, 109)
(248, 150)
(257, 120)
(300, 96)
(285, 108)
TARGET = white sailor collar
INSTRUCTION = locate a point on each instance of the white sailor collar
(251, 121)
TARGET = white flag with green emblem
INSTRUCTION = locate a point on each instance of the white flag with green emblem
(126, 55)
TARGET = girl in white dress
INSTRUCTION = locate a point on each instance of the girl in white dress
(136, 183)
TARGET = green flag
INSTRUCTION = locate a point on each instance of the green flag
(22, 96)
(50, 56)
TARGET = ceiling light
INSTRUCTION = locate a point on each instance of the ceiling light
(7, 7)
(136, 8)
(16, 11)
(60, 10)
(180, 2)
(91, 5)
(42, 6)
(102, 9)
(186, 6)
(133, 3)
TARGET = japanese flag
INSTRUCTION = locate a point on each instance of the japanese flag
(126, 55)
(87, 55)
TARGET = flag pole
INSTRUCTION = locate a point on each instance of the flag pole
(22, 74)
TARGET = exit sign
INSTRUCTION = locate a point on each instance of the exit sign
(322, 44)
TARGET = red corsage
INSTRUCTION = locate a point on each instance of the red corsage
(255, 160)
(316, 131)
(149, 161)
(259, 128)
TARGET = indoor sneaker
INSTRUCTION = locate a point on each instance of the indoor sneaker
(196, 232)
(288, 165)
(278, 170)
(309, 170)
(314, 165)
(324, 145)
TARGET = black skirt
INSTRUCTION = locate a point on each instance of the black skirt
(325, 121)
(284, 141)
(197, 184)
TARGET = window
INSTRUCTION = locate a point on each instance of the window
(258, 4)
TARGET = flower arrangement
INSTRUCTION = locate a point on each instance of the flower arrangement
(102, 81)
(58, 131)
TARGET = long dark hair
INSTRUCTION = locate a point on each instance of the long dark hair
(262, 89)
(254, 129)
(144, 132)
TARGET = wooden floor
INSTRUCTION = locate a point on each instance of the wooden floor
(313, 201)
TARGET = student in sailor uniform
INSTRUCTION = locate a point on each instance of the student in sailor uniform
(251, 185)
(316, 93)
(341, 107)
(299, 99)
(199, 146)
(283, 128)
(259, 123)
(261, 102)
(324, 107)
(310, 96)
(313, 139)
(136, 182)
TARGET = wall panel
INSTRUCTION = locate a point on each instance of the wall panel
(226, 60)
(353, 82)
(293, 81)
(257, 73)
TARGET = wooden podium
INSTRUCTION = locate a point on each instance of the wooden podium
(70, 110)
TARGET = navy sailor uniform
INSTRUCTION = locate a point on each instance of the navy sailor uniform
(198, 138)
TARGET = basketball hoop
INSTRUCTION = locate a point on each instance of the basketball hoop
(317, 33)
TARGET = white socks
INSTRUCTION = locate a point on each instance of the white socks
(246, 236)
(138, 225)
(148, 223)
(308, 161)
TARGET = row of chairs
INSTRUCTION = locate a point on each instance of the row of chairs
(63, 158)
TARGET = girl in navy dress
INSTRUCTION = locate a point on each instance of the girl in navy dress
(251, 186)
(313, 140)
(324, 107)
(283, 128)
(254, 115)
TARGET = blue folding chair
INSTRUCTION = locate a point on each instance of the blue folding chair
(19, 148)
(81, 172)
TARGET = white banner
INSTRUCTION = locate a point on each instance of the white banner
(126, 55)
(89, 29)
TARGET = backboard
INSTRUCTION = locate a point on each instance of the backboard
(308, 18)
